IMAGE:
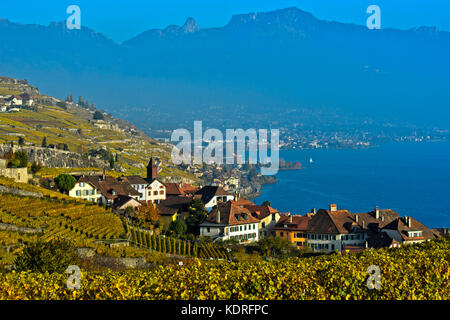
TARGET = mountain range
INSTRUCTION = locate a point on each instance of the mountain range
(259, 63)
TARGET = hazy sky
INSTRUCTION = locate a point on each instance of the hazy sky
(123, 19)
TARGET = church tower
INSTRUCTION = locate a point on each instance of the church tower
(152, 169)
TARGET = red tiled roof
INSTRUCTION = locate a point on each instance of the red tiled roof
(188, 188)
(133, 179)
(331, 222)
(173, 189)
(299, 223)
(260, 212)
(243, 202)
(400, 224)
(108, 185)
(231, 214)
(208, 192)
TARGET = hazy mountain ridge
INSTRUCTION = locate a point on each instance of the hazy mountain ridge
(264, 61)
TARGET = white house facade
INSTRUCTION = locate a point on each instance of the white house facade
(230, 222)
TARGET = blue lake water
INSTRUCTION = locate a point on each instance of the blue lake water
(410, 178)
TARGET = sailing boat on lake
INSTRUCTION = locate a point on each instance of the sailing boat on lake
(311, 160)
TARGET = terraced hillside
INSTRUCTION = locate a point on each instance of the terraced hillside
(67, 123)
(55, 218)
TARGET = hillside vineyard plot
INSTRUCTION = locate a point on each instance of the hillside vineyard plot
(61, 219)
(412, 272)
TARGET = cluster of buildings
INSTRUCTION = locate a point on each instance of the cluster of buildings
(232, 218)
(11, 103)
(324, 230)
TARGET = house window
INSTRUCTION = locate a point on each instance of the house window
(281, 233)
(240, 228)
(207, 230)
(81, 184)
(78, 193)
(263, 224)
(161, 192)
(155, 193)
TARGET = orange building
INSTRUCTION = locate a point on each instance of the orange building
(293, 228)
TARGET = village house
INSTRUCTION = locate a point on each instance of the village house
(332, 230)
(107, 189)
(407, 230)
(84, 190)
(179, 189)
(292, 228)
(267, 216)
(173, 208)
(15, 100)
(4, 105)
(173, 189)
(121, 203)
(228, 221)
(156, 190)
(213, 195)
(139, 184)
(27, 99)
(341, 231)
(18, 174)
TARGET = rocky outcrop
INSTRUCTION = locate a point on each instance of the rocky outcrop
(54, 158)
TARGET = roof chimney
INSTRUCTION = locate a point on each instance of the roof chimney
(333, 207)
(408, 221)
(356, 218)
(313, 211)
(218, 216)
(377, 213)
(290, 219)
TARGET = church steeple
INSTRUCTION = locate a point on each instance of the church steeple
(152, 169)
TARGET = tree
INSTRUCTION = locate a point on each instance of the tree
(147, 213)
(62, 146)
(22, 158)
(274, 247)
(62, 104)
(21, 141)
(178, 226)
(44, 142)
(41, 256)
(35, 167)
(65, 182)
(197, 214)
(129, 210)
(111, 161)
(98, 115)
